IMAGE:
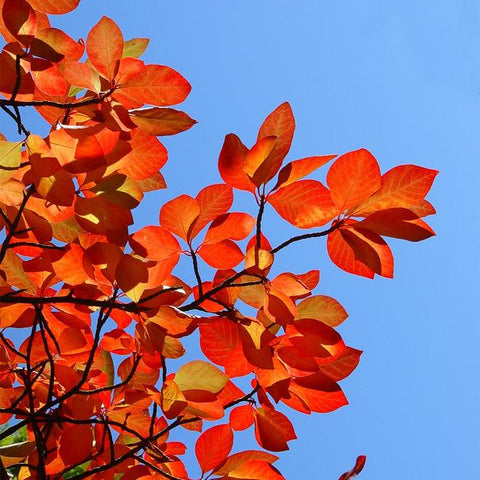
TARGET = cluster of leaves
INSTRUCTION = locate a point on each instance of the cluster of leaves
(91, 311)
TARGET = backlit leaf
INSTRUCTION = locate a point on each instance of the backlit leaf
(155, 85)
(298, 169)
(397, 223)
(402, 187)
(54, 7)
(273, 430)
(281, 124)
(179, 214)
(161, 121)
(230, 164)
(105, 47)
(322, 308)
(213, 446)
(353, 178)
(305, 204)
(200, 375)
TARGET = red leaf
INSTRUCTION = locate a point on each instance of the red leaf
(237, 460)
(146, 158)
(179, 214)
(76, 444)
(19, 18)
(220, 342)
(48, 78)
(361, 252)
(241, 417)
(273, 429)
(397, 223)
(255, 470)
(214, 200)
(298, 169)
(343, 256)
(55, 45)
(154, 85)
(222, 255)
(105, 47)
(305, 204)
(156, 243)
(404, 186)
(54, 7)
(281, 124)
(353, 178)
(359, 464)
(234, 226)
(370, 249)
(213, 446)
(258, 161)
(230, 163)
(318, 392)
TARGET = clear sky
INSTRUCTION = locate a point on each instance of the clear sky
(403, 80)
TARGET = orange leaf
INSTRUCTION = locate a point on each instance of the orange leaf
(214, 200)
(173, 321)
(361, 252)
(322, 308)
(220, 342)
(244, 458)
(305, 204)
(234, 226)
(64, 266)
(255, 470)
(146, 157)
(397, 223)
(258, 161)
(154, 85)
(241, 417)
(55, 45)
(370, 249)
(105, 47)
(156, 243)
(404, 186)
(54, 7)
(48, 78)
(273, 429)
(353, 178)
(318, 392)
(200, 375)
(340, 365)
(179, 214)
(298, 169)
(343, 256)
(161, 121)
(279, 307)
(290, 285)
(231, 161)
(213, 446)
(281, 124)
(82, 75)
(222, 255)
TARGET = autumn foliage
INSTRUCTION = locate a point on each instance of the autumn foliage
(92, 310)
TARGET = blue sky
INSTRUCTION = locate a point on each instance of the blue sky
(403, 80)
